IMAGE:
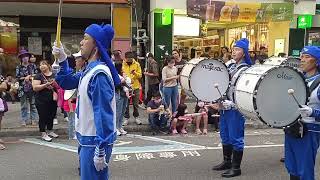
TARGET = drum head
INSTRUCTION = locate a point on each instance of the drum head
(68, 94)
(205, 75)
(273, 103)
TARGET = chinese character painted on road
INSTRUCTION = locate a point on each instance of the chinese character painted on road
(122, 157)
(144, 156)
(167, 155)
(190, 153)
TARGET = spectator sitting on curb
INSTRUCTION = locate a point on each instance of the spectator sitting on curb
(158, 113)
(201, 108)
(180, 121)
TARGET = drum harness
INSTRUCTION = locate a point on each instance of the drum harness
(233, 69)
(299, 129)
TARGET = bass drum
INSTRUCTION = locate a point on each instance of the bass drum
(199, 76)
(277, 61)
(261, 93)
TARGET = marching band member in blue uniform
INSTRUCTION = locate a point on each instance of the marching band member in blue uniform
(231, 120)
(301, 144)
(96, 105)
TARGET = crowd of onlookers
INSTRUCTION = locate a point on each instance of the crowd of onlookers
(165, 103)
(39, 96)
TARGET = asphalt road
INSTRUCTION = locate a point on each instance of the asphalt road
(137, 157)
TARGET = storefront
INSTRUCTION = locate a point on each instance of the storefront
(313, 37)
(9, 40)
(9, 35)
(227, 22)
(304, 30)
(36, 28)
(205, 26)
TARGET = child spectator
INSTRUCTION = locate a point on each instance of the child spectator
(127, 87)
(158, 113)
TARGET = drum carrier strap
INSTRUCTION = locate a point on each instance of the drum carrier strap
(239, 69)
(314, 85)
(299, 129)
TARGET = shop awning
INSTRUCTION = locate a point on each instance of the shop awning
(90, 11)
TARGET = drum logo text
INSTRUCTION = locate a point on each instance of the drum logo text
(211, 67)
(292, 65)
(284, 76)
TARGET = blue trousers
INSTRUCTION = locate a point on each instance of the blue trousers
(171, 96)
(232, 129)
(87, 168)
(300, 154)
(27, 100)
(121, 103)
(71, 132)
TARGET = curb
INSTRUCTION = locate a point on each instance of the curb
(21, 132)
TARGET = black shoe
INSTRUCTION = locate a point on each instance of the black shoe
(231, 173)
(226, 164)
(236, 162)
(282, 160)
(292, 177)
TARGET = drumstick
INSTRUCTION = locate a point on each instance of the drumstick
(215, 115)
(55, 65)
(291, 92)
(216, 85)
(193, 114)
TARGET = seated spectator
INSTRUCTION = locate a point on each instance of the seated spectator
(180, 120)
(158, 113)
(201, 108)
(213, 117)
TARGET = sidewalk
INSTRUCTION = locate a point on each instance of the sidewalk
(11, 123)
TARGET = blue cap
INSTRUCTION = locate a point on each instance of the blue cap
(103, 35)
(313, 51)
(244, 44)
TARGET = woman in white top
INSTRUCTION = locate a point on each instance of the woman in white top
(170, 84)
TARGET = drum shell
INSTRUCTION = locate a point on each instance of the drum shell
(289, 61)
(199, 75)
(247, 94)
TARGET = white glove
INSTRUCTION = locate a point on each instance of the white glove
(59, 53)
(227, 104)
(99, 159)
(305, 111)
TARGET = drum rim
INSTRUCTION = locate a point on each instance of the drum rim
(286, 59)
(256, 89)
(229, 76)
(75, 91)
